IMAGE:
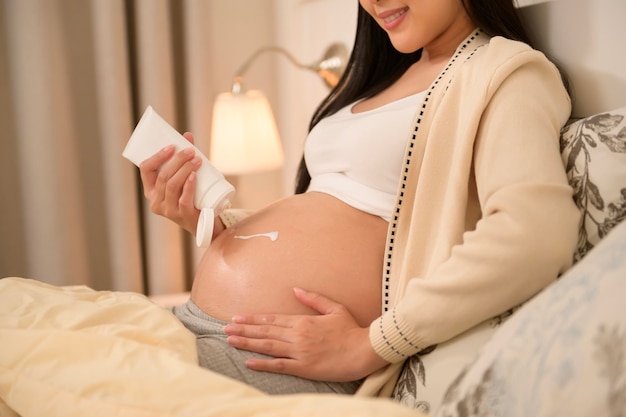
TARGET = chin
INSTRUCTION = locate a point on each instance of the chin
(405, 49)
(404, 46)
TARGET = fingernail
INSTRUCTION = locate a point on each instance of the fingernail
(238, 319)
(196, 160)
(299, 291)
(167, 148)
(192, 176)
(189, 151)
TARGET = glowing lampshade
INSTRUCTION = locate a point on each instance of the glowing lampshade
(244, 137)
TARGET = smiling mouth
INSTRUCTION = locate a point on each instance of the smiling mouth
(394, 16)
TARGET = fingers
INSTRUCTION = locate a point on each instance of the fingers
(321, 347)
(277, 338)
(309, 355)
(277, 366)
(317, 302)
(189, 137)
(166, 179)
(256, 331)
(149, 168)
(268, 341)
(174, 175)
(270, 347)
(261, 319)
(185, 202)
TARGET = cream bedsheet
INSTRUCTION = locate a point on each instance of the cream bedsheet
(73, 351)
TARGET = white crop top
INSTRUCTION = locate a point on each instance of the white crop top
(357, 157)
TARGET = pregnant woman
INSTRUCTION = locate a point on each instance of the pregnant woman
(431, 197)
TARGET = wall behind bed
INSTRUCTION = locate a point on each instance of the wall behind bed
(588, 38)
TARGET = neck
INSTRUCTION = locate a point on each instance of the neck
(443, 47)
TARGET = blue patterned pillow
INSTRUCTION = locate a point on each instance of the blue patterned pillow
(594, 153)
(561, 354)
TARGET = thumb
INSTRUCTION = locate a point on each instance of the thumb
(317, 302)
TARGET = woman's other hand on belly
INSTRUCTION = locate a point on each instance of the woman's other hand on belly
(330, 346)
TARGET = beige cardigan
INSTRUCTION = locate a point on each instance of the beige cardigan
(484, 217)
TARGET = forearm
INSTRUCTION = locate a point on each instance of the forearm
(498, 266)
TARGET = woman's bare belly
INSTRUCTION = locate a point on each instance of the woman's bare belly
(321, 245)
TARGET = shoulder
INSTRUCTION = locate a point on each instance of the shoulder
(498, 49)
(507, 47)
(498, 59)
(501, 54)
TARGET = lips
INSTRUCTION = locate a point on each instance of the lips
(392, 18)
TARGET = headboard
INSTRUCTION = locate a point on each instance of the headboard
(588, 38)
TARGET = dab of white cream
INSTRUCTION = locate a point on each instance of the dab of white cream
(272, 235)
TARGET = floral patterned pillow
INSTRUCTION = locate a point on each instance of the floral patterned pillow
(594, 154)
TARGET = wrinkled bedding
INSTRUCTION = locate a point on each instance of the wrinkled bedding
(73, 351)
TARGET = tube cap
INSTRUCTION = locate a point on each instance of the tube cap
(204, 231)
(217, 196)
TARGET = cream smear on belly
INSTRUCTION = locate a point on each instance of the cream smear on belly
(271, 235)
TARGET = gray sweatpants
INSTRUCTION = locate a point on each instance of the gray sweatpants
(216, 354)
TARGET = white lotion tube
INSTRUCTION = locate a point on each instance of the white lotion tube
(213, 192)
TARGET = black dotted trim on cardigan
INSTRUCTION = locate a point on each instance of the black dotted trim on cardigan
(405, 171)
(393, 349)
(389, 345)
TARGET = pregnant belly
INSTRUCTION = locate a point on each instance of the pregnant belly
(312, 241)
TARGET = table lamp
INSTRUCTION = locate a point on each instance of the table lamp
(244, 137)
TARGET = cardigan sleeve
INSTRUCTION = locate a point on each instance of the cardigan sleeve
(528, 226)
(231, 217)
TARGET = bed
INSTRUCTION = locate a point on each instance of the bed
(73, 351)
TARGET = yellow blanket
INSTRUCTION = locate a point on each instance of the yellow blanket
(73, 351)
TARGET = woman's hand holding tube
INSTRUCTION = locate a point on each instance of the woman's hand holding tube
(169, 181)
(330, 346)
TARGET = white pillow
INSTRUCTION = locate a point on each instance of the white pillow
(561, 354)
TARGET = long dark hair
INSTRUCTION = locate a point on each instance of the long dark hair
(375, 64)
